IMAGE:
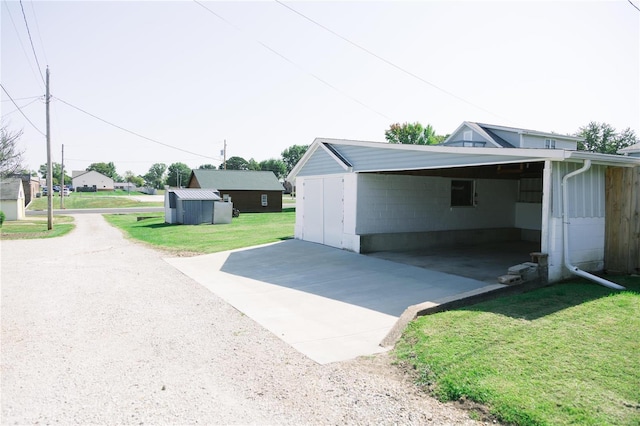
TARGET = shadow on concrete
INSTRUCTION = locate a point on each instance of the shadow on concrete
(377, 284)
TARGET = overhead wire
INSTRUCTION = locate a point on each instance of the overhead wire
(35, 18)
(22, 107)
(31, 40)
(386, 61)
(132, 132)
(275, 52)
(22, 112)
(15, 27)
(631, 3)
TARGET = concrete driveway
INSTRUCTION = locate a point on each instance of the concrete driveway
(329, 304)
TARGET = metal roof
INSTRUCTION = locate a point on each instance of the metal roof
(237, 180)
(379, 156)
(10, 189)
(196, 194)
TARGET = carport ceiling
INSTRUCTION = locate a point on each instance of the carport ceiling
(500, 171)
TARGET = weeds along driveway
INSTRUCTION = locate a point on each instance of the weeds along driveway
(98, 329)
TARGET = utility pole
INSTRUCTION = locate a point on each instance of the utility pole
(225, 155)
(62, 180)
(49, 166)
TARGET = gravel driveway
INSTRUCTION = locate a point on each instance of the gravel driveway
(97, 329)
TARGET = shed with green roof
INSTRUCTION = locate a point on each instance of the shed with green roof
(250, 191)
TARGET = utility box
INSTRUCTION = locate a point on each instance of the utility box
(222, 212)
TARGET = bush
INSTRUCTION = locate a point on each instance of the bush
(1, 217)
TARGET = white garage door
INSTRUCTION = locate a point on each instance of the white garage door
(323, 211)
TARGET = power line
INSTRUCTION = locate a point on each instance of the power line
(23, 99)
(293, 63)
(132, 132)
(20, 40)
(631, 3)
(23, 106)
(31, 40)
(21, 112)
(386, 61)
(35, 17)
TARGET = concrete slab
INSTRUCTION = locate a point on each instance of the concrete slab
(329, 304)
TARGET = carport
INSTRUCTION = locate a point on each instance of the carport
(371, 197)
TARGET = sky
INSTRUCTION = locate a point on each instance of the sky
(176, 79)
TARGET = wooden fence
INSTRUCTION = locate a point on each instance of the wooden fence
(622, 225)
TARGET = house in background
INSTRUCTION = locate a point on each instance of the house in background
(485, 185)
(195, 206)
(83, 180)
(31, 185)
(12, 198)
(631, 151)
(250, 191)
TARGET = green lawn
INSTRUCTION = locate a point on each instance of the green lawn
(249, 229)
(36, 227)
(565, 354)
(93, 200)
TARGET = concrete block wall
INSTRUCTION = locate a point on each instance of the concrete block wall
(404, 203)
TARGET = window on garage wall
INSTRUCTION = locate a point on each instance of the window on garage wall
(462, 193)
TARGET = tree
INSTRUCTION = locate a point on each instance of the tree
(278, 167)
(10, 155)
(178, 174)
(292, 155)
(155, 176)
(132, 178)
(207, 167)
(107, 169)
(236, 163)
(253, 165)
(412, 133)
(55, 169)
(603, 138)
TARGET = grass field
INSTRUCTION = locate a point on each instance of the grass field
(565, 354)
(93, 200)
(249, 229)
(36, 227)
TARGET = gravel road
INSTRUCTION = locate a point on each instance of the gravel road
(97, 329)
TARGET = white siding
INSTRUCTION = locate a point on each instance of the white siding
(586, 190)
(402, 203)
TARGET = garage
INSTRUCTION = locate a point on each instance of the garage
(371, 197)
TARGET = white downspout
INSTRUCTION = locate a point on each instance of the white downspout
(565, 232)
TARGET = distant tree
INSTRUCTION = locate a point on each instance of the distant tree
(156, 175)
(292, 155)
(107, 169)
(276, 166)
(178, 174)
(130, 177)
(10, 155)
(412, 133)
(603, 138)
(55, 168)
(253, 165)
(207, 167)
(236, 163)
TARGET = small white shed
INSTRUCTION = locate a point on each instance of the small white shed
(12, 198)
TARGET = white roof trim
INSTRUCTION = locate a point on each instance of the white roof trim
(518, 155)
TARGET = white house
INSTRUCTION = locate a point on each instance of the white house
(12, 198)
(90, 179)
(484, 184)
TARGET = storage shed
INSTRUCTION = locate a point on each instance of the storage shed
(250, 191)
(373, 196)
(196, 206)
(12, 198)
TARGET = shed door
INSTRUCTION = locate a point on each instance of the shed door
(323, 211)
(191, 212)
